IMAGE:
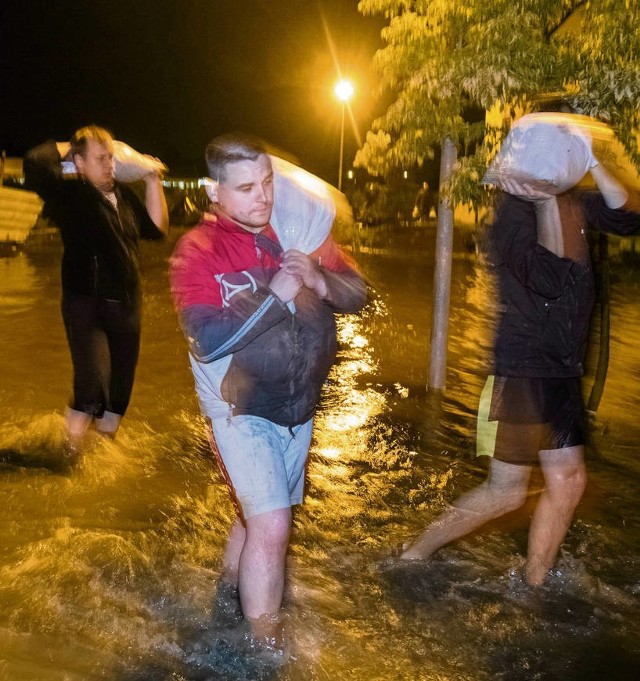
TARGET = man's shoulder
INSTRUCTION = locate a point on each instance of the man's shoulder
(201, 235)
(204, 243)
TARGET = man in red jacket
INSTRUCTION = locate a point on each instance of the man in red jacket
(262, 337)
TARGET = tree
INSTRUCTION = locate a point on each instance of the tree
(445, 58)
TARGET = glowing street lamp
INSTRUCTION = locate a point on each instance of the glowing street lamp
(343, 91)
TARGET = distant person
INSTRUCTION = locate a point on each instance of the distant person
(374, 210)
(100, 221)
(425, 202)
(262, 338)
(531, 411)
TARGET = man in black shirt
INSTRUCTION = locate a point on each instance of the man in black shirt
(100, 222)
(531, 410)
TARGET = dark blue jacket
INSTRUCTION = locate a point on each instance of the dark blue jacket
(546, 300)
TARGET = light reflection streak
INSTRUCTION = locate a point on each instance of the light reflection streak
(348, 370)
(329, 452)
(341, 423)
(349, 334)
(334, 56)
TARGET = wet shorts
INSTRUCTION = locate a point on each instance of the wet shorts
(262, 462)
(518, 417)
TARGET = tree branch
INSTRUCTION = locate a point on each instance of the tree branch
(564, 18)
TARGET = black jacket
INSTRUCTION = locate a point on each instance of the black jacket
(545, 300)
(101, 249)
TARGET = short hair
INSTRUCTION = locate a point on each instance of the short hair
(230, 148)
(82, 136)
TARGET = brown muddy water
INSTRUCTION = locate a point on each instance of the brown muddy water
(109, 572)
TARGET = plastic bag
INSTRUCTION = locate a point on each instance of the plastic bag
(548, 151)
(544, 151)
(305, 207)
(131, 165)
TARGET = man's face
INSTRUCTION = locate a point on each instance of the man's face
(246, 196)
(97, 165)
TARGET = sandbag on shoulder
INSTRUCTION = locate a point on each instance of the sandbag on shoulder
(131, 165)
(305, 207)
(544, 150)
(553, 152)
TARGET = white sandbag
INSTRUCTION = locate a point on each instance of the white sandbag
(545, 150)
(548, 151)
(131, 165)
(304, 207)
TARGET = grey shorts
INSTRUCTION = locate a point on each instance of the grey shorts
(263, 463)
(518, 417)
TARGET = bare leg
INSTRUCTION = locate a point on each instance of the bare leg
(77, 423)
(108, 424)
(226, 611)
(262, 571)
(504, 490)
(232, 553)
(565, 480)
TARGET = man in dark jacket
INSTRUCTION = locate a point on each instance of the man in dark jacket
(101, 222)
(531, 410)
(262, 337)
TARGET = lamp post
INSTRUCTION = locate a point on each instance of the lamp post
(343, 91)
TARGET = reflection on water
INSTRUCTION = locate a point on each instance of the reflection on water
(109, 573)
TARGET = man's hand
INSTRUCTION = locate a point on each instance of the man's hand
(524, 190)
(285, 285)
(302, 266)
(156, 173)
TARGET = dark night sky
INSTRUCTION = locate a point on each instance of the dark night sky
(167, 75)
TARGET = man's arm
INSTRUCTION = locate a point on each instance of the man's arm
(42, 169)
(613, 193)
(214, 330)
(328, 273)
(614, 209)
(515, 241)
(155, 202)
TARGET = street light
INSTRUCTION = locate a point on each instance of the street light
(343, 91)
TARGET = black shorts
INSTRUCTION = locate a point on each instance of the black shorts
(104, 340)
(518, 417)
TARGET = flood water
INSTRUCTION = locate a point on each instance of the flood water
(109, 572)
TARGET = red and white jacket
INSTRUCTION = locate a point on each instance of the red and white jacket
(250, 352)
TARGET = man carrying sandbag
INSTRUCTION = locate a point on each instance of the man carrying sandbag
(260, 325)
(100, 221)
(531, 410)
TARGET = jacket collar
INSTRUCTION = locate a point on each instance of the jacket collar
(266, 239)
(228, 225)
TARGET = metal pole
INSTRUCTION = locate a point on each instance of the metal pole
(442, 274)
(341, 150)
